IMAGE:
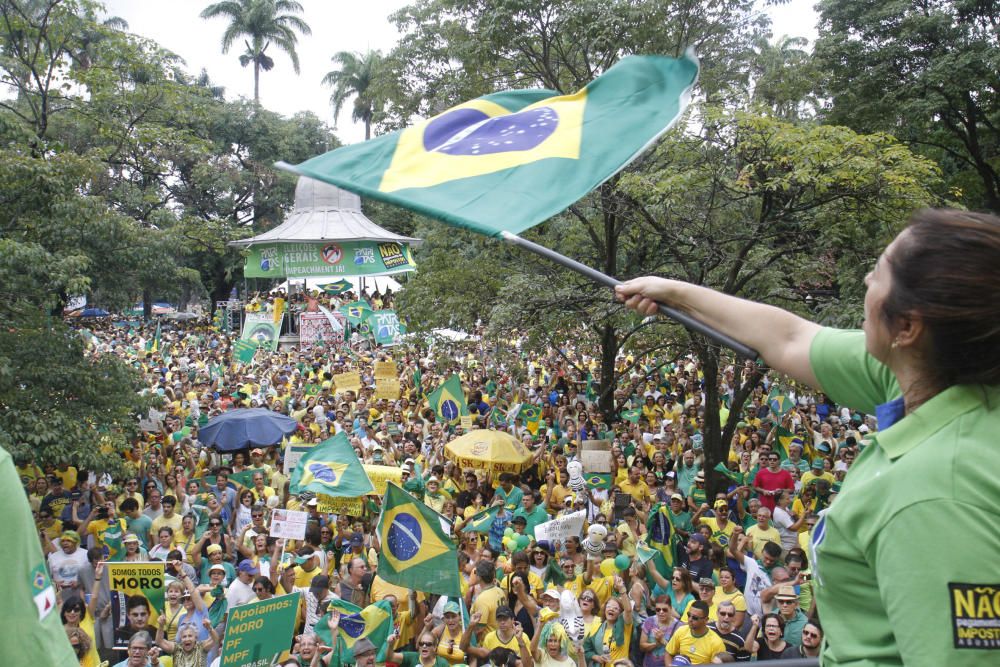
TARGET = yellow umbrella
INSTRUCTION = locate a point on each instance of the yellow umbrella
(486, 449)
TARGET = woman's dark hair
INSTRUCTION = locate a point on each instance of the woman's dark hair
(73, 601)
(777, 617)
(944, 269)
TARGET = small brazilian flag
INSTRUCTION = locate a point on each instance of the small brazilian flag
(338, 287)
(598, 480)
(481, 521)
(416, 551)
(532, 416)
(373, 622)
(448, 401)
(734, 477)
(779, 403)
(783, 439)
(632, 415)
(467, 164)
(331, 467)
(660, 532)
(356, 313)
(154, 345)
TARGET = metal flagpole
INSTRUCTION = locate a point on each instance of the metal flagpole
(602, 279)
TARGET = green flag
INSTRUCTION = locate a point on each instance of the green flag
(598, 480)
(783, 438)
(385, 326)
(154, 345)
(467, 164)
(417, 552)
(332, 467)
(357, 312)
(373, 622)
(448, 401)
(33, 633)
(244, 351)
(734, 477)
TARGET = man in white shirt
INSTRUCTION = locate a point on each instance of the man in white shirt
(66, 563)
(241, 590)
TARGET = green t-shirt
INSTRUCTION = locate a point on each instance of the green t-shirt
(140, 527)
(412, 659)
(905, 559)
(32, 632)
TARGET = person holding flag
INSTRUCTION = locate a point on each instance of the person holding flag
(927, 363)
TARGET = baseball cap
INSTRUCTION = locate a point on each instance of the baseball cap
(817, 464)
(699, 538)
(319, 582)
(248, 567)
(258, 450)
(700, 477)
(312, 502)
(213, 549)
(503, 611)
(130, 537)
(357, 540)
(721, 504)
(706, 581)
(551, 593)
(520, 520)
(677, 496)
(218, 567)
(71, 535)
(452, 608)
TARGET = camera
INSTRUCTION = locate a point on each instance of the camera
(102, 513)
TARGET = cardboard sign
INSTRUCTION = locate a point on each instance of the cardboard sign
(257, 632)
(465, 422)
(387, 388)
(335, 505)
(289, 524)
(558, 530)
(385, 369)
(382, 475)
(595, 455)
(347, 381)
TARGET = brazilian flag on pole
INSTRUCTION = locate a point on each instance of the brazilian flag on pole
(338, 287)
(332, 467)
(779, 403)
(598, 480)
(416, 551)
(631, 416)
(467, 164)
(448, 401)
(373, 622)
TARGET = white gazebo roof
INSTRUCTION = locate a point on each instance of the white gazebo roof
(324, 212)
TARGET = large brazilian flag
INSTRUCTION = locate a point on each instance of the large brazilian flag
(416, 551)
(331, 467)
(508, 161)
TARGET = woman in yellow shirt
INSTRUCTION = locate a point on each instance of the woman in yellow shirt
(75, 617)
(613, 639)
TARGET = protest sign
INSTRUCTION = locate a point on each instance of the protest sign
(292, 455)
(465, 421)
(260, 328)
(387, 388)
(130, 580)
(256, 632)
(385, 369)
(347, 382)
(557, 530)
(595, 455)
(382, 475)
(289, 524)
(335, 505)
(385, 327)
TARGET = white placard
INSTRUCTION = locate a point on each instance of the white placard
(558, 530)
(288, 524)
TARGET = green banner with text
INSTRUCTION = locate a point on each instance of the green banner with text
(327, 258)
(256, 632)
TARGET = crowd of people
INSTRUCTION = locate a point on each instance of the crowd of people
(737, 582)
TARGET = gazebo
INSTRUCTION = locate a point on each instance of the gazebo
(326, 236)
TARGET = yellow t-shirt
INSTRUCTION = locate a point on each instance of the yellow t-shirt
(486, 603)
(720, 536)
(699, 650)
(492, 641)
(760, 537)
(618, 651)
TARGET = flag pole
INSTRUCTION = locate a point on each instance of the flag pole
(603, 279)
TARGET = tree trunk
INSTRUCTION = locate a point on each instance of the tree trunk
(609, 352)
(256, 82)
(368, 130)
(147, 305)
(714, 447)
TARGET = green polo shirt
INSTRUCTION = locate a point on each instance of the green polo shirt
(906, 559)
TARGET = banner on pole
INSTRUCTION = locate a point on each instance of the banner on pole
(335, 505)
(128, 581)
(289, 524)
(327, 258)
(260, 328)
(257, 632)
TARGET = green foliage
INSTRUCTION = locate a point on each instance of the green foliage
(925, 72)
(61, 405)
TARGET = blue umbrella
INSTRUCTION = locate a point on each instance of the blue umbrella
(94, 312)
(246, 427)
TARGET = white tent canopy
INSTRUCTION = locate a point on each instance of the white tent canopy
(324, 212)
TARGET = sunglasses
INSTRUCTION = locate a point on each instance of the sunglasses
(258, 589)
(695, 618)
(214, 523)
(663, 610)
(426, 644)
(806, 633)
(727, 614)
(677, 579)
(787, 601)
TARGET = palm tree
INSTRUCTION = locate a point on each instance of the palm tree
(261, 22)
(355, 77)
